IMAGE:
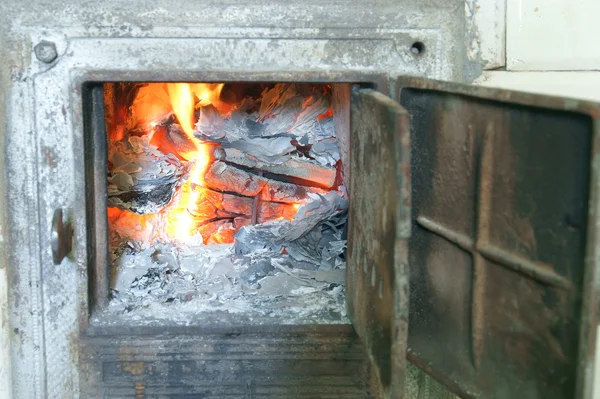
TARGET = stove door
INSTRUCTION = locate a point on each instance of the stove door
(379, 227)
(503, 253)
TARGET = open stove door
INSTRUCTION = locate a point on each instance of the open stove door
(379, 228)
(503, 253)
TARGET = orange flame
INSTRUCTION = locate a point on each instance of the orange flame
(210, 93)
(151, 104)
(182, 101)
(180, 224)
(154, 103)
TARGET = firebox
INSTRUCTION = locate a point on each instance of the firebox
(277, 199)
(225, 201)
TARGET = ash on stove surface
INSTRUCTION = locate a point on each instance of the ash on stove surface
(289, 272)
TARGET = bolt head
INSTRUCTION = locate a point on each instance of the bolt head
(45, 51)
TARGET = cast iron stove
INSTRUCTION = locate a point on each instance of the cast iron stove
(472, 213)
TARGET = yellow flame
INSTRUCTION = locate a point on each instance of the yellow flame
(209, 93)
(182, 101)
(180, 223)
(153, 103)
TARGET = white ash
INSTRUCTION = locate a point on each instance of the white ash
(313, 240)
(140, 177)
(273, 150)
(325, 151)
(289, 301)
(295, 271)
(294, 111)
(177, 295)
(287, 113)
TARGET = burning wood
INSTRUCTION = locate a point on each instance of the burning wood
(141, 178)
(171, 139)
(305, 170)
(212, 205)
(183, 163)
(224, 177)
(188, 170)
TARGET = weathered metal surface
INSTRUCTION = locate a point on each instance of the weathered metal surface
(96, 154)
(284, 362)
(503, 253)
(420, 385)
(45, 51)
(379, 227)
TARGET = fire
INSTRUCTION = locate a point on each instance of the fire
(210, 94)
(155, 111)
(180, 224)
(182, 101)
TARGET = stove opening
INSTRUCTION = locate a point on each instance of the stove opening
(227, 201)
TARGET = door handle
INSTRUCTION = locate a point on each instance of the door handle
(61, 239)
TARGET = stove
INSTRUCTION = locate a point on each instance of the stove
(469, 244)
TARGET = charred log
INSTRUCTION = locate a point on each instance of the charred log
(305, 170)
(223, 177)
(214, 205)
(141, 178)
(145, 197)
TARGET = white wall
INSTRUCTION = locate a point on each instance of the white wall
(584, 85)
(556, 35)
(551, 47)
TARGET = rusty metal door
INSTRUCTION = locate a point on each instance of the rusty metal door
(503, 254)
(379, 227)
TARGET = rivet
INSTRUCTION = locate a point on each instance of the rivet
(45, 51)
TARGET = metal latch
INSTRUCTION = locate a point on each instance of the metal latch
(61, 239)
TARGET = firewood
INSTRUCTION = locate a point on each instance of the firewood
(243, 205)
(274, 210)
(240, 222)
(214, 205)
(277, 191)
(305, 170)
(223, 177)
(171, 139)
(141, 178)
